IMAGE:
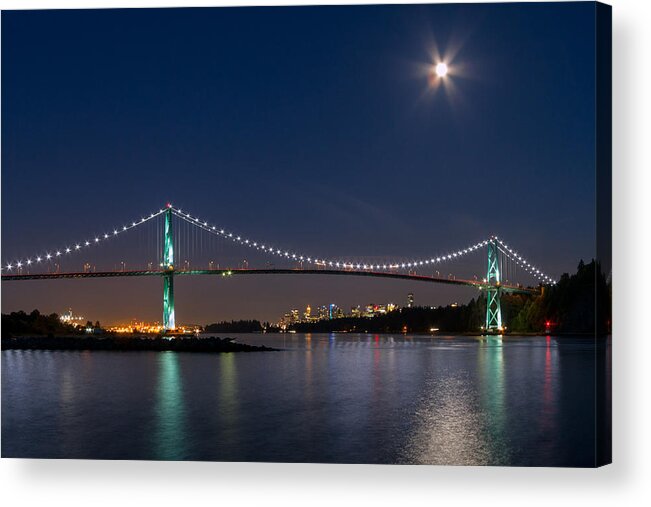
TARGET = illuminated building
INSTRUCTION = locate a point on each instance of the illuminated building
(152, 328)
(73, 320)
(333, 311)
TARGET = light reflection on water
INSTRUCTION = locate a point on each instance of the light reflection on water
(324, 398)
(169, 438)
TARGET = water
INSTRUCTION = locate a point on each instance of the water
(324, 398)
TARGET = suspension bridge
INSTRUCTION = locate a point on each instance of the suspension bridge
(499, 257)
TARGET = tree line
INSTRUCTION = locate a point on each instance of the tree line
(578, 303)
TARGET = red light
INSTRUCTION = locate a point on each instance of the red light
(169, 204)
(548, 323)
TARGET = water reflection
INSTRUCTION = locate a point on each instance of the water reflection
(228, 405)
(345, 398)
(550, 381)
(492, 388)
(170, 409)
(461, 419)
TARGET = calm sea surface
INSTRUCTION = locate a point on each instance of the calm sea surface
(323, 398)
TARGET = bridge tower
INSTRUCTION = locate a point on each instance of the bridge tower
(168, 278)
(494, 291)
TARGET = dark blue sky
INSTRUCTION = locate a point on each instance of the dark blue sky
(308, 127)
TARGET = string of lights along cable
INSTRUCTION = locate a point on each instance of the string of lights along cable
(345, 263)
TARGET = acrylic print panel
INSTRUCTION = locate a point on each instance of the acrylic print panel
(354, 234)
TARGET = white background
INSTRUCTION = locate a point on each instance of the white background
(626, 482)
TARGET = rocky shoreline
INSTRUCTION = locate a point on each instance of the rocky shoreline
(132, 343)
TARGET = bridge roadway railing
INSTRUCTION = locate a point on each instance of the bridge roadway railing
(269, 271)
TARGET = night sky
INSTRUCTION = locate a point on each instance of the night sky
(314, 128)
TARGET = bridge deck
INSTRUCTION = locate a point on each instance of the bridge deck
(268, 271)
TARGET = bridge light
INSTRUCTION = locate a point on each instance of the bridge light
(9, 266)
(29, 261)
(19, 264)
(38, 259)
(87, 243)
(77, 247)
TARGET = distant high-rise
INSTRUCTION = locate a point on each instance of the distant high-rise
(410, 300)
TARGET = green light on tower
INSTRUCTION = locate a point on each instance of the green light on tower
(168, 278)
(493, 292)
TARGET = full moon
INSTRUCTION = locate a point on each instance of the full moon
(441, 69)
